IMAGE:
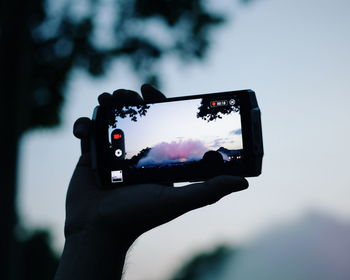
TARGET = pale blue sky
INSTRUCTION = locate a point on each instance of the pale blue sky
(295, 55)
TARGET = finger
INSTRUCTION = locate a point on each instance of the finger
(81, 130)
(105, 99)
(194, 196)
(126, 97)
(84, 160)
(151, 94)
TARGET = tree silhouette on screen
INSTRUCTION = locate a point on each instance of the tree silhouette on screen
(210, 113)
(132, 112)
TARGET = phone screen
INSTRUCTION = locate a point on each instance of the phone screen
(177, 133)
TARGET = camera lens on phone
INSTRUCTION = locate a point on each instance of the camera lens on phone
(118, 153)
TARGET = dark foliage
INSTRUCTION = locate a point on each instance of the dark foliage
(135, 159)
(57, 43)
(129, 112)
(210, 113)
(37, 261)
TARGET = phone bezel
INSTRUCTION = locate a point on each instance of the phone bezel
(251, 137)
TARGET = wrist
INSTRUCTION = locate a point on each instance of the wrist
(93, 254)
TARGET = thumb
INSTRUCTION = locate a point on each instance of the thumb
(201, 194)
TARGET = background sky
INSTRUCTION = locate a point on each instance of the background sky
(295, 55)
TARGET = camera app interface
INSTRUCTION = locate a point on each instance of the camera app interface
(176, 133)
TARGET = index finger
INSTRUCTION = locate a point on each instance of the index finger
(151, 94)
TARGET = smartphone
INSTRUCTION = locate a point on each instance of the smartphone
(179, 139)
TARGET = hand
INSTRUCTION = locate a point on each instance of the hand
(131, 210)
(102, 224)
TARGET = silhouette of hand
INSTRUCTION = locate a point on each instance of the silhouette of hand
(127, 212)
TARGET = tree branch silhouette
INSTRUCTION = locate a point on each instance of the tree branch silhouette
(210, 113)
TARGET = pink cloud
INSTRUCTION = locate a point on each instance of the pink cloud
(164, 153)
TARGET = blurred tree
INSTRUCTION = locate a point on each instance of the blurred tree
(36, 259)
(41, 42)
(205, 265)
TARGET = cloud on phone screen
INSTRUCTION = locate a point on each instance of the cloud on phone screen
(176, 151)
